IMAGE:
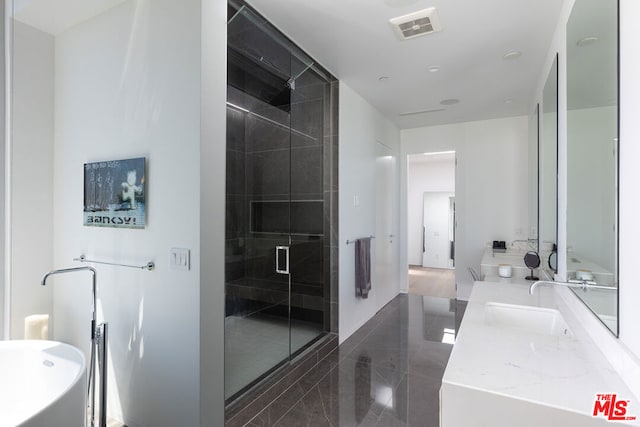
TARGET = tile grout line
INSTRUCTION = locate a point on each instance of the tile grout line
(311, 355)
(304, 395)
(378, 323)
(288, 388)
(405, 375)
(267, 389)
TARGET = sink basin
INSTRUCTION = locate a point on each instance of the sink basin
(546, 321)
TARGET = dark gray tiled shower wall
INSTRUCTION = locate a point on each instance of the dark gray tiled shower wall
(313, 294)
(282, 148)
(258, 171)
(236, 216)
(330, 196)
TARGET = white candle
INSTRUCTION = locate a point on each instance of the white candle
(36, 327)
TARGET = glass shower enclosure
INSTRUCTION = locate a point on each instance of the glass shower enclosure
(277, 280)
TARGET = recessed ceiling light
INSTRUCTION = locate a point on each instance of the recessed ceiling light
(513, 54)
(450, 101)
(383, 78)
(434, 69)
(437, 153)
(587, 41)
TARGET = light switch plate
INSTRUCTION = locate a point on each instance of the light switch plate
(179, 259)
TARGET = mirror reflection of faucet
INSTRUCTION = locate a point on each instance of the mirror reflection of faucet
(585, 285)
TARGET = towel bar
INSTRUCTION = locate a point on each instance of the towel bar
(148, 266)
(353, 241)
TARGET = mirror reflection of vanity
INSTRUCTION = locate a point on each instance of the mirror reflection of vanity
(592, 153)
(533, 149)
(549, 169)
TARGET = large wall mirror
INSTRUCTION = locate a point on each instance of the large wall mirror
(534, 148)
(549, 172)
(592, 150)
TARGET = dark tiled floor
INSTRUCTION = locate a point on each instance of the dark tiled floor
(386, 374)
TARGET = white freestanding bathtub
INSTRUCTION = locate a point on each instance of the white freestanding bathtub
(42, 384)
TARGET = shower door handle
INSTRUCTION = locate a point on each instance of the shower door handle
(285, 250)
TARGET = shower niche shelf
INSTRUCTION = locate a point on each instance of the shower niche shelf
(298, 217)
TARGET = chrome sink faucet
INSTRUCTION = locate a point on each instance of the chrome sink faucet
(581, 284)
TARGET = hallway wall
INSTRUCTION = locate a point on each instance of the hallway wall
(127, 84)
(212, 147)
(629, 177)
(360, 127)
(31, 170)
(4, 311)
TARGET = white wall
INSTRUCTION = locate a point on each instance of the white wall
(424, 176)
(491, 191)
(557, 47)
(127, 84)
(548, 171)
(31, 171)
(533, 174)
(438, 227)
(361, 126)
(629, 177)
(4, 310)
(591, 198)
(387, 256)
(212, 209)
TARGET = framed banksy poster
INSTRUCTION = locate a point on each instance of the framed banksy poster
(114, 193)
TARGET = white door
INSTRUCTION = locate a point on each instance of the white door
(386, 247)
(437, 230)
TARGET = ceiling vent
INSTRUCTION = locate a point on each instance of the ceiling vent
(417, 23)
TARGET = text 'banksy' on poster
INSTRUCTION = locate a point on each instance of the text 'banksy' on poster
(114, 193)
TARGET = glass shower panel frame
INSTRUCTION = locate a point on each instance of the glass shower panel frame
(307, 203)
(257, 322)
(278, 102)
(258, 296)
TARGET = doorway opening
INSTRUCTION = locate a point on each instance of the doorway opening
(431, 225)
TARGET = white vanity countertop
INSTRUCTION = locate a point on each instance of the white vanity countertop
(578, 262)
(561, 372)
(514, 258)
(507, 280)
